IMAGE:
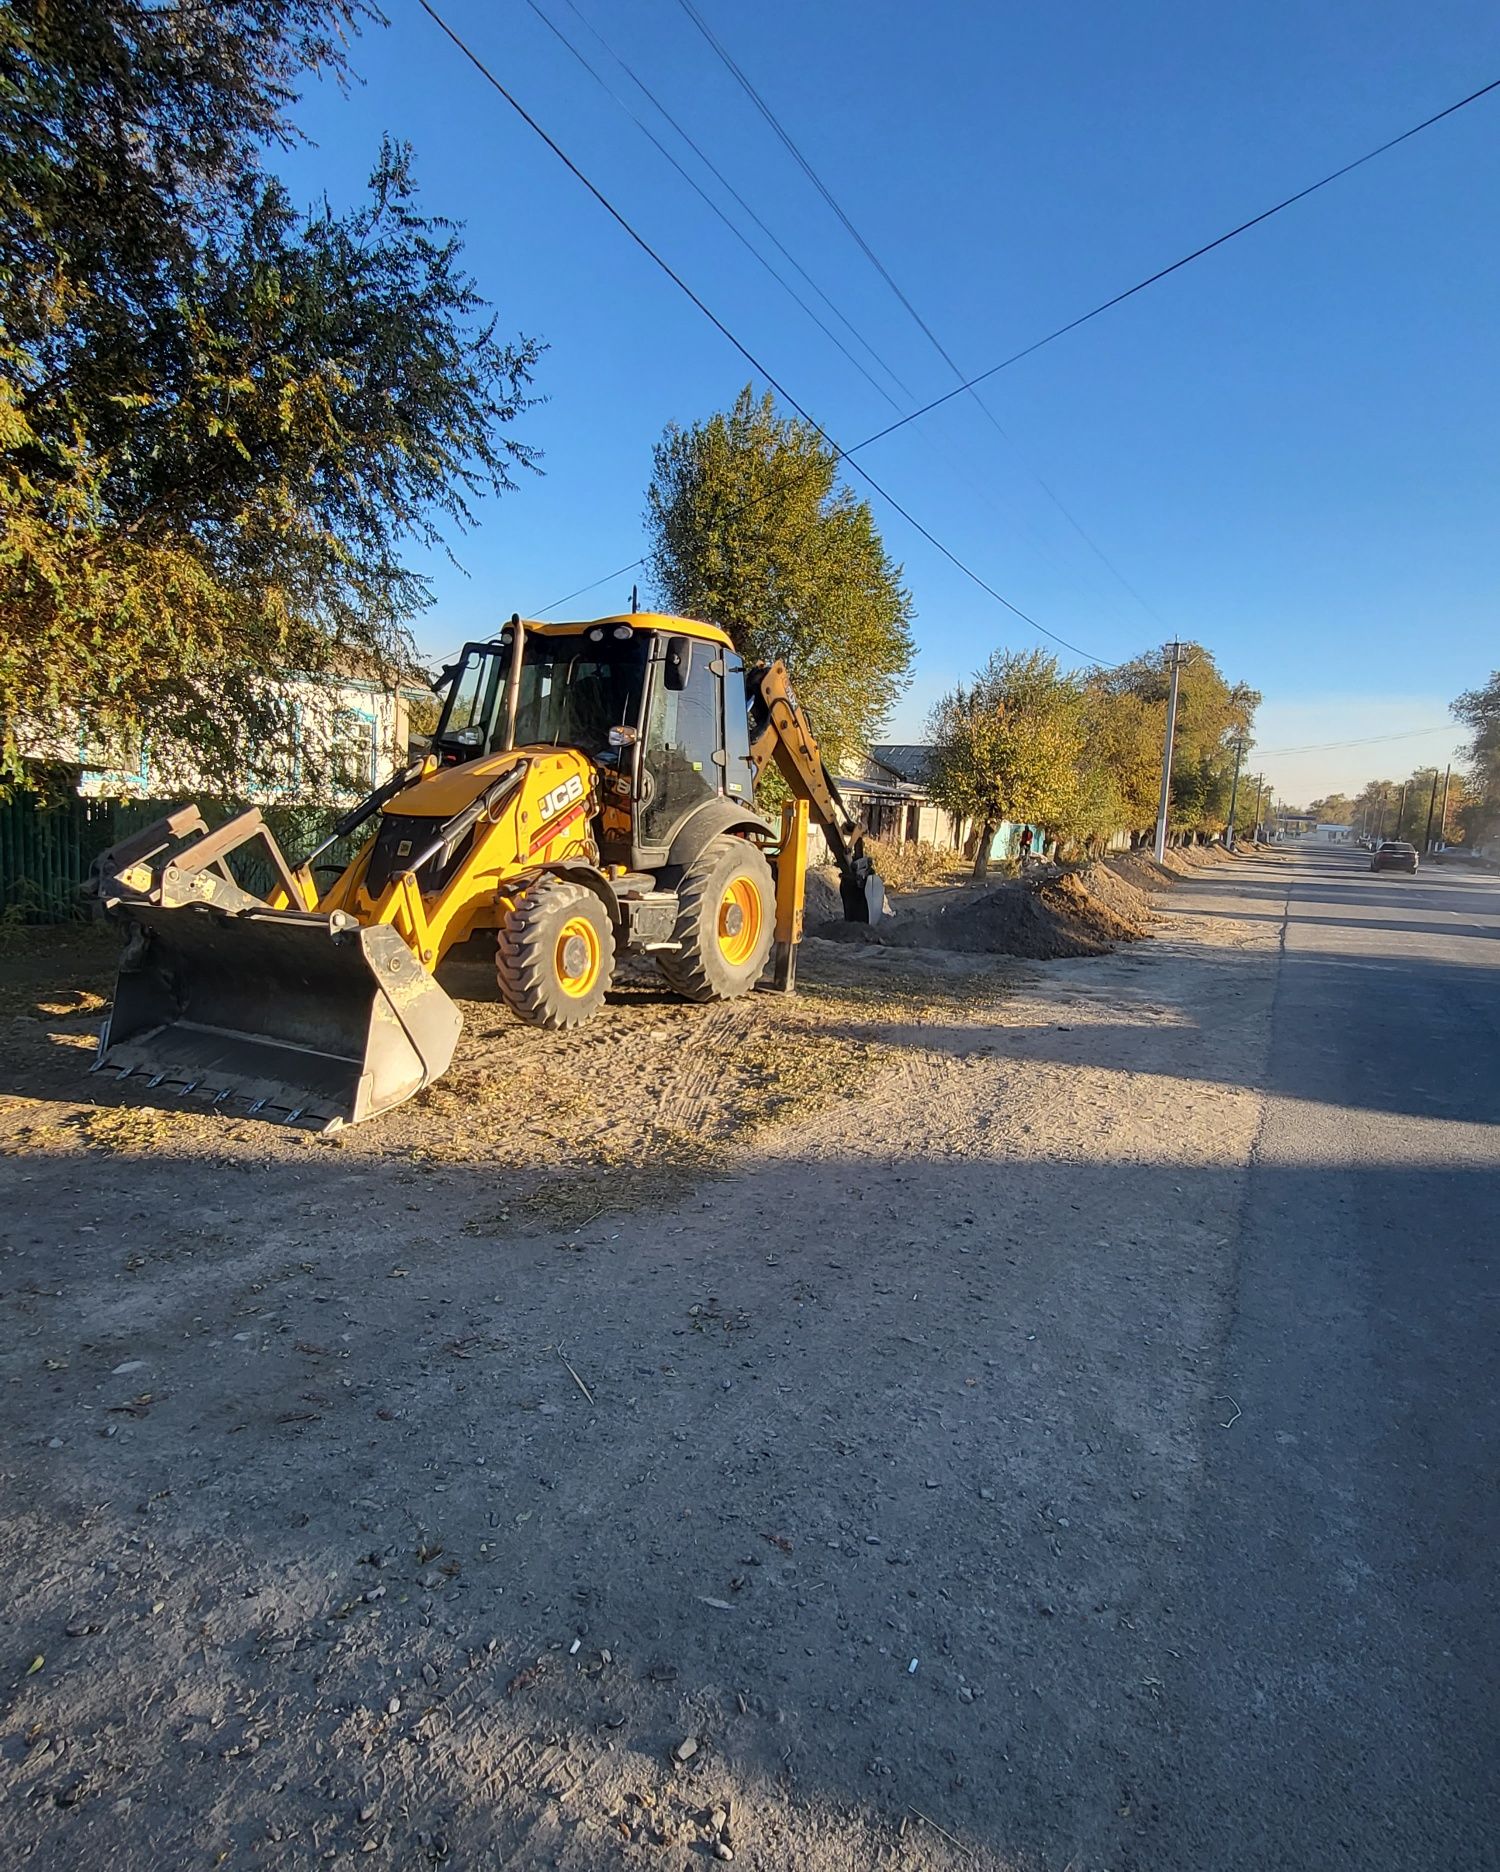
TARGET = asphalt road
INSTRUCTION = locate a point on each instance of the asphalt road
(1338, 1603)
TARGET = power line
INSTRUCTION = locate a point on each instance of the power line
(1186, 260)
(725, 183)
(976, 483)
(787, 141)
(784, 137)
(1320, 747)
(1141, 285)
(743, 349)
(704, 195)
(568, 597)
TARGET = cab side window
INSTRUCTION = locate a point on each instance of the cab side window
(682, 737)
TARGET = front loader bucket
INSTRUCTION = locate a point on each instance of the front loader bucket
(306, 1016)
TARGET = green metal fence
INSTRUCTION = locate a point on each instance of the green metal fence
(46, 847)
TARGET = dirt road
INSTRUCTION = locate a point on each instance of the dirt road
(829, 1505)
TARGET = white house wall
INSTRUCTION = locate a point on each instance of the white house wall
(371, 724)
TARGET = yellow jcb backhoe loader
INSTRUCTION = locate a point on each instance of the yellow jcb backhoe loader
(588, 793)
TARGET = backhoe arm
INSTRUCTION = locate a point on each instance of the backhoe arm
(781, 735)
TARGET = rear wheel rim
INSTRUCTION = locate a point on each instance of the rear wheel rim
(741, 916)
(578, 957)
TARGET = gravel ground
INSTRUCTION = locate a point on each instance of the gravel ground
(598, 1466)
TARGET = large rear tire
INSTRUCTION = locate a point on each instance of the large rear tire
(555, 954)
(726, 920)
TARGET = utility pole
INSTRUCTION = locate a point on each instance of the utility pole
(1431, 809)
(1234, 789)
(1443, 822)
(1401, 809)
(1260, 786)
(1176, 655)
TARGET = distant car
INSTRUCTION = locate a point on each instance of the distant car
(1394, 856)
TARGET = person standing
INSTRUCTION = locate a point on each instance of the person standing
(1025, 845)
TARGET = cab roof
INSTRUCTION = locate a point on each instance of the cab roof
(637, 620)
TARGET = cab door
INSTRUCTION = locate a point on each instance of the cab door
(682, 746)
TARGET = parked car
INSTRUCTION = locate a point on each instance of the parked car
(1395, 856)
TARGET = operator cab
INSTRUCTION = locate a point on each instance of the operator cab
(660, 710)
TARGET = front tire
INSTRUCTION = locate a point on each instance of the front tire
(726, 920)
(555, 954)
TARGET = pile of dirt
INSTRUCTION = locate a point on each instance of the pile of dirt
(1189, 860)
(1085, 912)
(1042, 919)
(1126, 899)
(822, 902)
(1141, 872)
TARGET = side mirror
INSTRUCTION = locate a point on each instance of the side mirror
(679, 662)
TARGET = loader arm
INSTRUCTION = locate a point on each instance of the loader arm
(781, 736)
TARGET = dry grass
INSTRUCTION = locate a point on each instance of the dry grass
(913, 867)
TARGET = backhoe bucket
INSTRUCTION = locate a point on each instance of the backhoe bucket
(308, 1017)
(862, 890)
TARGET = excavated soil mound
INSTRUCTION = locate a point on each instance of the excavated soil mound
(1140, 869)
(821, 903)
(1143, 873)
(1131, 905)
(1040, 919)
(1084, 912)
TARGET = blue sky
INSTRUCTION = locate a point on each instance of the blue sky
(1287, 451)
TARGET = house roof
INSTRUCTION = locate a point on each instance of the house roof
(907, 758)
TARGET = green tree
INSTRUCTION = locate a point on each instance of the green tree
(1212, 716)
(750, 530)
(1116, 773)
(1397, 809)
(1422, 795)
(1479, 711)
(1010, 746)
(223, 425)
(1125, 741)
(1375, 808)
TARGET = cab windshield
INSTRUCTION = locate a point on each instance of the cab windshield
(574, 689)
